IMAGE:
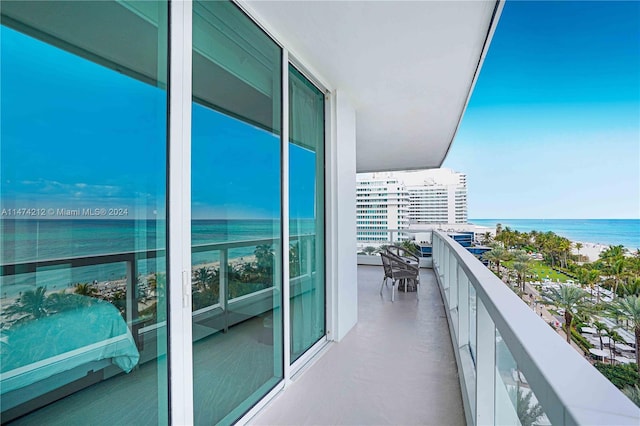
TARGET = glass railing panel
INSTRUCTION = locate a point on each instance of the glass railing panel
(82, 193)
(515, 401)
(473, 319)
(502, 394)
(418, 242)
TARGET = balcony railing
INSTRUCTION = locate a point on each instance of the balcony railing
(302, 268)
(230, 306)
(513, 368)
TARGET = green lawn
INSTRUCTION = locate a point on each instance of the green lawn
(542, 271)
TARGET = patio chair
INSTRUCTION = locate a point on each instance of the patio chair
(397, 269)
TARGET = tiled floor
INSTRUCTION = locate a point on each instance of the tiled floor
(395, 367)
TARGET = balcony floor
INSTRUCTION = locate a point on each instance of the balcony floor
(396, 366)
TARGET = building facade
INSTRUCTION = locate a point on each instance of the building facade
(388, 203)
(382, 204)
(440, 198)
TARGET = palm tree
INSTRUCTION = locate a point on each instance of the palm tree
(600, 328)
(264, 257)
(578, 247)
(486, 238)
(592, 279)
(410, 246)
(528, 413)
(633, 393)
(613, 252)
(490, 256)
(631, 288)
(295, 268)
(507, 237)
(85, 289)
(32, 304)
(628, 308)
(614, 338)
(617, 271)
(571, 299)
(203, 277)
(35, 304)
(522, 268)
(369, 250)
(158, 283)
(496, 255)
(564, 247)
(264, 262)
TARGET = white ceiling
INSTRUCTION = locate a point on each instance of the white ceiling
(408, 67)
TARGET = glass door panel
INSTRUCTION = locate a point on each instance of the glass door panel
(306, 213)
(82, 227)
(236, 209)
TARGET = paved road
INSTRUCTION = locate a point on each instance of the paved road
(540, 308)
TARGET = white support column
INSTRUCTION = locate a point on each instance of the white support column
(179, 208)
(342, 247)
(286, 298)
(485, 367)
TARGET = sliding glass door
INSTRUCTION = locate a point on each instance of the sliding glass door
(83, 336)
(83, 227)
(306, 213)
(236, 208)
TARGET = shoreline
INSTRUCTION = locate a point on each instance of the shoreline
(601, 232)
(108, 288)
(590, 250)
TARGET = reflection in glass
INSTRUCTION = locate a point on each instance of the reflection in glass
(306, 213)
(236, 209)
(82, 229)
(516, 403)
(473, 340)
(473, 318)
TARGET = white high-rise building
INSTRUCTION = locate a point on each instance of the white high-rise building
(436, 196)
(393, 201)
(382, 204)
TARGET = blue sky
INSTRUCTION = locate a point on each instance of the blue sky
(76, 135)
(553, 127)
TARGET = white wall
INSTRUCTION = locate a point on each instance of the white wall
(342, 250)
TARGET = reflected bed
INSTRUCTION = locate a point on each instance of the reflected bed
(87, 331)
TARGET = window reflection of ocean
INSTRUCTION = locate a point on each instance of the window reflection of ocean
(29, 240)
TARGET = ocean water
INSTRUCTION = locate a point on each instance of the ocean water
(30, 240)
(624, 232)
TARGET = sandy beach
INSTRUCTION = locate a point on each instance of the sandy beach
(591, 250)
